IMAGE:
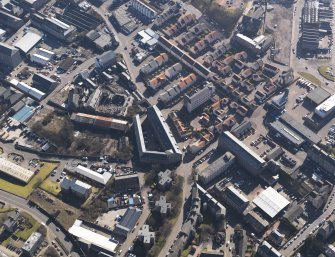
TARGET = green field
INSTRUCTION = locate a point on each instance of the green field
(324, 72)
(51, 187)
(25, 190)
(310, 77)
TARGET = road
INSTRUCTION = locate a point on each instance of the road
(22, 204)
(296, 243)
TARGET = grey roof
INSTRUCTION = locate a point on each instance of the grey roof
(280, 100)
(81, 187)
(42, 79)
(106, 58)
(7, 49)
(32, 241)
(241, 128)
(318, 95)
(164, 177)
(130, 218)
(268, 250)
(235, 196)
(293, 213)
(163, 206)
(287, 133)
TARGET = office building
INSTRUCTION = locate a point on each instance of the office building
(191, 102)
(162, 206)
(245, 156)
(9, 56)
(217, 168)
(32, 244)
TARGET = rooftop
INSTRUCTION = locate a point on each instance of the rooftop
(15, 170)
(28, 41)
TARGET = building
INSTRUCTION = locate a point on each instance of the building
(241, 241)
(54, 27)
(12, 221)
(92, 240)
(242, 129)
(267, 250)
(33, 4)
(28, 42)
(106, 60)
(100, 121)
(127, 222)
(255, 221)
(13, 170)
(30, 91)
(102, 41)
(42, 57)
(163, 207)
(154, 64)
(9, 56)
(128, 183)
(310, 25)
(256, 46)
(326, 108)
(145, 236)
(164, 180)
(45, 83)
(76, 187)
(10, 21)
(271, 202)
(317, 96)
(217, 168)
(329, 251)
(327, 230)
(93, 175)
(245, 156)
(235, 199)
(32, 244)
(280, 130)
(214, 206)
(143, 9)
(191, 102)
(276, 238)
(325, 160)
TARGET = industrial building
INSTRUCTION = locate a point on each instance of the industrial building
(42, 56)
(92, 240)
(127, 222)
(325, 160)
(28, 42)
(43, 82)
(126, 183)
(9, 56)
(106, 60)
(245, 156)
(144, 9)
(100, 121)
(217, 168)
(32, 244)
(191, 102)
(271, 202)
(255, 221)
(317, 96)
(310, 25)
(10, 21)
(102, 41)
(13, 170)
(76, 187)
(235, 199)
(101, 178)
(282, 131)
(326, 108)
(30, 91)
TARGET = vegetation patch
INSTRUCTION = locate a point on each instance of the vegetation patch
(30, 226)
(326, 72)
(51, 187)
(310, 77)
(25, 190)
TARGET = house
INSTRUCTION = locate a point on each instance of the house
(145, 236)
(76, 187)
(164, 180)
(163, 207)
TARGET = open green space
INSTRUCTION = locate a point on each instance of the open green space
(25, 190)
(325, 72)
(310, 77)
(51, 187)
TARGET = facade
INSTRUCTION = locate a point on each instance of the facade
(245, 156)
(144, 9)
(76, 187)
(235, 199)
(217, 168)
(9, 56)
(32, 244)
(127, 183)
(191, 102)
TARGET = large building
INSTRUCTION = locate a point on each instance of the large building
(326, 108)
(10, 20)
(128, 183)
(217, 168)
(310, 25)
(93, 175)
(76, 187)
(28, 42)
(271, 202)
(267, 250)
(143, 8)
(245, 156)
(32, 243)
(13, 170)
(100, 121)
(191, 102)
(127, 222)
(171, 153)
(106, 60)
(30, 91)
(235, 199)
(256, 46)
(9, 56)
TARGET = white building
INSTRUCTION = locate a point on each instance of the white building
(194, 101)
(39, 59)
(154, 64)
(32, 244)
(33, 92)
(94, 175)
(143, 8)
(28, 41)
(326, 108)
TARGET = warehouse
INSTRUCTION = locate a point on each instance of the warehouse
(28, 42)
(326, 108)
(127, 222)
(32, 92)
(43, 82)
(271, 202)
(288, 134)
(318, 95)
(94, 175)
(15, 171)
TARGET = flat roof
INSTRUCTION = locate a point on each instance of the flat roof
(15, 170)
(100, 178)
(318, 95)
(300, 128)
(91, 237)
(28, 41)
(287, 132)
(271, 202)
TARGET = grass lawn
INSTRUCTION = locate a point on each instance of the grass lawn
(34, 225)
(310, 77)
(26, 190)
(323, 70)
(50, 187)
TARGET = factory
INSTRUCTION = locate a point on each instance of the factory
(28, 42)
(13, 170)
